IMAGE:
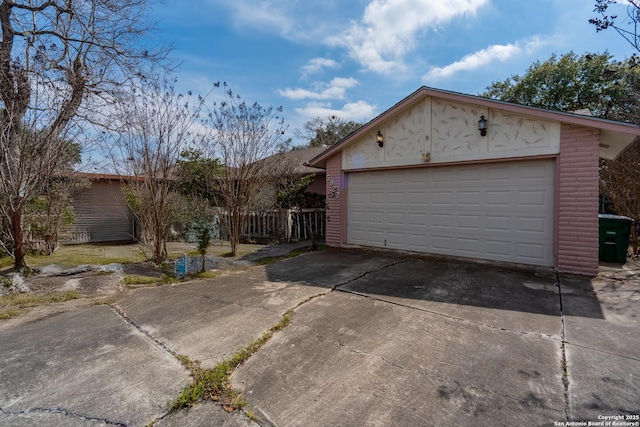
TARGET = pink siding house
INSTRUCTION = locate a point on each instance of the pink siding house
(422, 177)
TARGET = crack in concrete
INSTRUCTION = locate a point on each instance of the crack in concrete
(65, 413)
(597, 350)
(384, 267)
(254, 419)
(454, 318)
(144, 332)
(233, 303)
(564, 368)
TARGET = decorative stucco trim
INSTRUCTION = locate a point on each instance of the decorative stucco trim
(420, 94)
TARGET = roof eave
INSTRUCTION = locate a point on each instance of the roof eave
(559, 116)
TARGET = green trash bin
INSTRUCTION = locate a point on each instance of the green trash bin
(614, 237)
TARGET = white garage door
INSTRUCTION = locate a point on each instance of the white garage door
(496, 211)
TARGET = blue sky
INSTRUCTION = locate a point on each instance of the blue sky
(357, 58)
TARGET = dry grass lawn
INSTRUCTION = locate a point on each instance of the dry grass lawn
(72, 255)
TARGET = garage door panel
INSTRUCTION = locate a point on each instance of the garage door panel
(531, 251)
(532, 225)
(531, 198)
(376, 217)
(499, 173)
(532, 172)
(469, 222)
(467, 175)
(416, 241)
(357, 197)
(417, 198)
(500, 198)
(442, 220)
(499, 249)
(357, 235)
(501, 211)
(498, 223)
(442, 242)
(376, 237)
(397, 198)
(468, 246)
(417, 219)
(469, 198)
(441, 198)
(396, 218)
(396, 240)
(376, 198)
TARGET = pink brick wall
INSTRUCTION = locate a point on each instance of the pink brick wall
(577, 196)
(335, 193)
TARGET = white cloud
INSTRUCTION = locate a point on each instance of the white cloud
(388, 29)
(260, 14)
(490, 55)
(359, 111)
(309, 20)
(317, 64)
(335, 89)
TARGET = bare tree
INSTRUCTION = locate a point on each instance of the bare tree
(620, 182)
(240, 135)
(620, 178)
(626, 26)
(155, 126)
(57, 58)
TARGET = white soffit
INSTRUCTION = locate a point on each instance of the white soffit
(612, 144)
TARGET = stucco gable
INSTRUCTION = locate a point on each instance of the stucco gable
(442, 127)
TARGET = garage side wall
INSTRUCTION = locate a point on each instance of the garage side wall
(335, 193)
(101, 214)
(578, 188)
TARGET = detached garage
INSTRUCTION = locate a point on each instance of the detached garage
(424, 177)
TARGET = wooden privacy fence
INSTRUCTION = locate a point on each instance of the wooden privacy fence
(285, 224)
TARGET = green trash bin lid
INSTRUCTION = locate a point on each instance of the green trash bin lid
(615, 217)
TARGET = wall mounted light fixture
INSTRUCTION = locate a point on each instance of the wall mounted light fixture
(482, 126)
(379, 139)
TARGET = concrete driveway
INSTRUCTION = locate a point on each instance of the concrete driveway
(376, 339)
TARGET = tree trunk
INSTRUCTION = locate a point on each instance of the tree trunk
(159, 247)
(18, 244)
(234, 226)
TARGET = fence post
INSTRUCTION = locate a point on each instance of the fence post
(289, 226)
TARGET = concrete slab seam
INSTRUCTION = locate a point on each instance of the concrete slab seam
(456, 319)
(63, 412)
(435, 379)
(143, 331)
(563, 360)
(263, 422)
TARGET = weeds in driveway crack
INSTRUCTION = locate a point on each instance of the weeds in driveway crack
(215, 383)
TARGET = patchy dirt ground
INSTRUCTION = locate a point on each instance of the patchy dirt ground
(105, 280)
(89, 281)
